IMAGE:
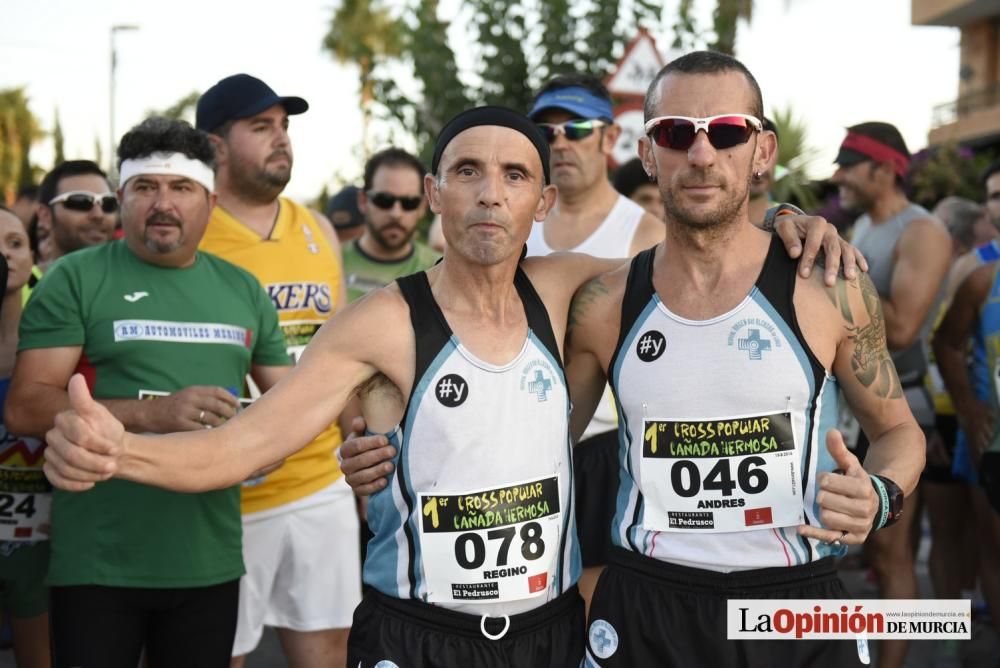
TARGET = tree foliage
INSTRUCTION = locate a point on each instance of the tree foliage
(181, 110)
(942, 171)
(364, 33)
(792, 184)
(58, 141)
(19, 129)
(508, 49)
(726, 16)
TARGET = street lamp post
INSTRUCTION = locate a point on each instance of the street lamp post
(114, 63)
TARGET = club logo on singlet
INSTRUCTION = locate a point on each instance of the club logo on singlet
(755, 336)
(650, 346)
(452, 390)
(603, 639)
(538, 379)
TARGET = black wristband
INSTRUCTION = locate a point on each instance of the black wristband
(890, 502)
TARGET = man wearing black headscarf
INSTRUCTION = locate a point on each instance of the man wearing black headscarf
(475, 558)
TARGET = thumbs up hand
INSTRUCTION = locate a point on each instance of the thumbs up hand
(847, 500)
(84, 445)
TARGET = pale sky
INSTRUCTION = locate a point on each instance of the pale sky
(836, 63)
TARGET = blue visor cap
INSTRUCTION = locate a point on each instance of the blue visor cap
(576, 100)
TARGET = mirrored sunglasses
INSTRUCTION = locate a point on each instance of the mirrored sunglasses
(574, 130)
(724, 131)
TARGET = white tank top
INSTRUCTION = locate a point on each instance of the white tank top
(613, 238)
(478, 514)
(722, 430)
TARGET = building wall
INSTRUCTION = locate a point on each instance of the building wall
(980, 57)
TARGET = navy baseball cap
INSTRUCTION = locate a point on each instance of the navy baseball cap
(342, 209)
(240, 96)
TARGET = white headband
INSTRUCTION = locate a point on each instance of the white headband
(175, 164)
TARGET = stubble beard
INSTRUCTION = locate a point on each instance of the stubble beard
(259, 184)
(723, 216)
(68, 240)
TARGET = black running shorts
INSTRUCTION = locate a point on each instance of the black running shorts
(649, 613)
(395, 633)
(595, 475)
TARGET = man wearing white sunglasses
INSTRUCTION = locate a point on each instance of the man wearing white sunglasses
(575, 115)
(725, 366)
(76, 207)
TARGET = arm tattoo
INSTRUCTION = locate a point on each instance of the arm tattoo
(584, 298)
(872, 365)
(838, 296)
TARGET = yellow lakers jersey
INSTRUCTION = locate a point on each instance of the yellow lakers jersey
(302, 274)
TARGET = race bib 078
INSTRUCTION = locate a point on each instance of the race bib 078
(721, 474)
(490, 545)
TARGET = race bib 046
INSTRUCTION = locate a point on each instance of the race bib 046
(493, 545)
(721, 474)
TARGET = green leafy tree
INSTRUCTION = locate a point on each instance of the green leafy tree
(504, 66)
(558, 27)
(19, 129)
(98, 151)
(441, 95)
(516, 44)
(181, 110)
(945, 170)
(725, 19)
(58, 141)
(364, 33)
(687, 36)
(792, 183)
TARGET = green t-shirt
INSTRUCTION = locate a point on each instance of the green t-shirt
(364, 273)
(146, 330)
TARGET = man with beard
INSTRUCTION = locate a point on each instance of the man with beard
(474, 558)
(300, 528)
(392, 203)
(165, 336)
(574, 112)
(910, 252)
(760, 184)
(76, 209)
(723, 365)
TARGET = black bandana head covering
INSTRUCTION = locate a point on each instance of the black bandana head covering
(502, 116)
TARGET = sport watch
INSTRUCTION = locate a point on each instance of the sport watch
(890, 501)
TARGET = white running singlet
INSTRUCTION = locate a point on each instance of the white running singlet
(613, 238)
(722, 428)
(478, 514)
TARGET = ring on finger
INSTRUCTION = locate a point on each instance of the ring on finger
(201, 416)
(836, 541)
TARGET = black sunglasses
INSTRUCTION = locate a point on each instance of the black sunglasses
(80, 200)
(387, 201)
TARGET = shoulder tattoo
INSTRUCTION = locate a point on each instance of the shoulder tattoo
(870, 360)
(584, 299)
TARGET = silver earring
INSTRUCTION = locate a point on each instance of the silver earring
(757, 174)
